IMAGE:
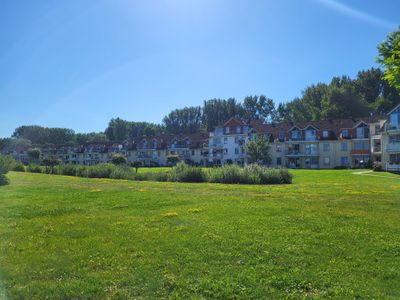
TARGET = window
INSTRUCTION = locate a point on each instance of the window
(327, 161)
(281, 136)
(296, 134)
(236, 150)
(245, 129)
(343, 146)
(225, 140)
(238, 129)
(377, 129)
(279, 161)
(236, 140)
(325, 133)
(361, 146)
(360, 132)
(192, 152)
(345, 133)
(344, 161)
(227, 130)
(218, 131)
(278, 148)
(311, 134)
(327, 147)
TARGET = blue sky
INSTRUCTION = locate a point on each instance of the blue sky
(79, 63)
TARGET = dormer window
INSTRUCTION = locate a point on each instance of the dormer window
(218, 131)
(311, 134)
(227, 130)
(394, 119)
(187, 142)
(362, 132)
(296, 134)
(238, 129)
(345, 133)
(325, 134)
(245, 129)
(281, 136)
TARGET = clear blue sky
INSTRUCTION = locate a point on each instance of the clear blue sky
(79, 63)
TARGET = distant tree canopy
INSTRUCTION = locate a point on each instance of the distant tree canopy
(44, 135)
(185, 120)
(119, 130)
(368, 94)
(389, 57)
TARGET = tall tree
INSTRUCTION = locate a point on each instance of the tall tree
(389, 57)
(259, 108)
(217, 111)
(186, 120)
(258, 150)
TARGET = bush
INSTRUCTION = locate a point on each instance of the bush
(67, 170)
(122, 173)
(227, 174)
(340, 168)
(100, 171)
(6, 163)
(34, 168)
(118, 159)
(377, 166)
(185, 173)
(18, 167)
(4, 180)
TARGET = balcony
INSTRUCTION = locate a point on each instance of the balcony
(360, 152)
(393, 167)
(392, 127)
(393, 147)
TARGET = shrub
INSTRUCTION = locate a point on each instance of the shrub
(377, 166)
(118, 159)
(67, 170)
(185, 173)
(122, 173)
(18, 167)
(34, 168)
(227, 174)
(340, 168)
(100, 171)
(4, 180)
(6, 163)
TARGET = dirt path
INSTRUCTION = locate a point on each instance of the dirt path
(368, 173)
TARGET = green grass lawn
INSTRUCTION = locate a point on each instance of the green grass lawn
(329, 234)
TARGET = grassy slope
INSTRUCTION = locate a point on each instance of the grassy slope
(330, 233)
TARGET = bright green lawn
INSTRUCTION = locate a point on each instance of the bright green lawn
(329, 234)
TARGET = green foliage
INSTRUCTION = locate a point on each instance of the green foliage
(4, 180)
(18, 167)
(100, 171)
(185, 120)
(118, 159)
(258, 150)
(185, 173)
(218, 111)
(34, 168)
(34, 154)
(259, 108)
(173, 159)
(43, 135)
(51, 161)
(389, 57)
(119, 130)
(6, 163)
(136, 165)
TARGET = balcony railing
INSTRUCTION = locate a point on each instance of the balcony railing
(393, 147)
(389, 127)
(393, 167)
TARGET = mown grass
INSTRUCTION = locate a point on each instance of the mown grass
(329, 234)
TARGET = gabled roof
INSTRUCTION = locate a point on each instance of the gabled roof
(234, 122)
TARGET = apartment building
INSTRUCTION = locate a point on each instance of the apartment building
(390, 141)
(351, 142)
(226, 143)
(319, 144)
